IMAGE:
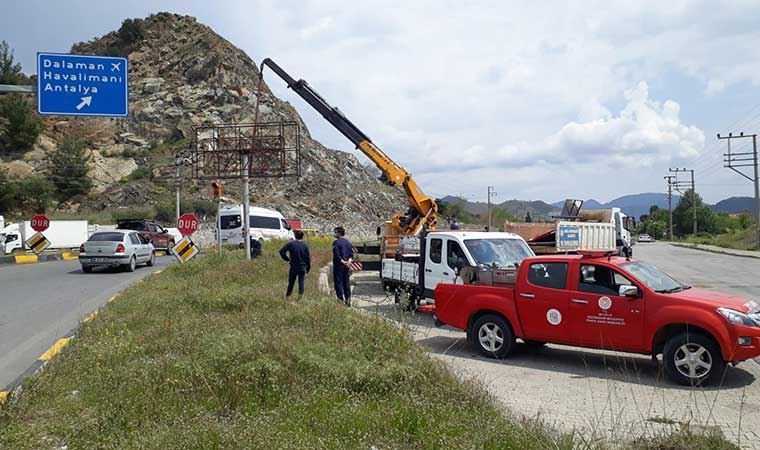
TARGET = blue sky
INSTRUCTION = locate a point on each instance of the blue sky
(541, 100)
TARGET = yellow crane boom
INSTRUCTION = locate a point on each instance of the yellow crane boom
(422, 211)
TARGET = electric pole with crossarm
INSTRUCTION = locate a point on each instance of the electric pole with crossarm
(670, 179)
(735, 161)
(681, 184)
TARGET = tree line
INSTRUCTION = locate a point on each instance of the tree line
(709, 222)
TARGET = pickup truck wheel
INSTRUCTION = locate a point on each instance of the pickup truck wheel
(493, 336)
(693, 359)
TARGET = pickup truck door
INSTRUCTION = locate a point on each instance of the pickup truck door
(436, 268)
(599, 316)
(542, 302)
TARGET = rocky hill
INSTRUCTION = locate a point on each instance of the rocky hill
(182, 75)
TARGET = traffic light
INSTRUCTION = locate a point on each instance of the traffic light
(216, 191)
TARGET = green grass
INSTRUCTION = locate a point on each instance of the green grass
(208, 355)
(735, 239)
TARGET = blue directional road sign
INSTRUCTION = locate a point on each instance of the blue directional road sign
(81, 85)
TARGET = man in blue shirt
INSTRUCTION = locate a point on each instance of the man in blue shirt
(343, 254)
(297, 254)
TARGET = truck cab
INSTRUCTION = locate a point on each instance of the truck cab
(423, 263)
(611, 303)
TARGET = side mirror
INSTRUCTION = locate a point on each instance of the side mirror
(459, 265)
(628, 291)
(164, 231)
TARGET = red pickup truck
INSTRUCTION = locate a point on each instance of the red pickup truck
(609, 303)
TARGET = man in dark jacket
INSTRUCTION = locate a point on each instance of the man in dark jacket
(343, 254)
(296, 252)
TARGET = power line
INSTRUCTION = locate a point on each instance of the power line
(737, 161)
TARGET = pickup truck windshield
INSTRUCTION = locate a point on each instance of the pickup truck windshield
(654, 278)
(498, 252)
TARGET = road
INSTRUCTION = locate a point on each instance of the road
(604, 394)
(40, 303)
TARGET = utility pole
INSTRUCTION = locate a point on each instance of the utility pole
(735, 161)
(680, 184)
(246, 205)
(491, 193)
(670, 179)
(178, 163)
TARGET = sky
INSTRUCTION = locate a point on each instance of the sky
(542, 100)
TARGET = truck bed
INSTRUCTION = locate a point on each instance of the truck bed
(455, 303)
(403, 272)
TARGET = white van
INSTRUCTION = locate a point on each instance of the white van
(265, 224)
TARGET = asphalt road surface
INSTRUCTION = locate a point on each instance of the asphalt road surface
(612, 395)
(40, 303)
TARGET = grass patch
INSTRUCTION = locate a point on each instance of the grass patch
(735, 239)
(208, 355)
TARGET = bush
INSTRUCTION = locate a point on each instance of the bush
(141, 173)
(21, 125)
(133, 213)
(8, 193)
(70, 164)
(35, 193)
(165, 213)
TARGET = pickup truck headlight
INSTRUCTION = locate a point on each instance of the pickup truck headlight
(737, 317)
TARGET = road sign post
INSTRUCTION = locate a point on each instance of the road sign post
(82, 85)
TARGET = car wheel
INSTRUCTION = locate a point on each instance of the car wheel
(493, 336)
(693, 359)
(132, 264)
(87, 269)
(152, 261)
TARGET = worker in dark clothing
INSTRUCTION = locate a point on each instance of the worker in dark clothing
(343, 254)
(296, 252)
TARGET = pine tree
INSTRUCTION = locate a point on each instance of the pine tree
(69, 166)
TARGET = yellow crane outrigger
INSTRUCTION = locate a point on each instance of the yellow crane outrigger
(422, 211)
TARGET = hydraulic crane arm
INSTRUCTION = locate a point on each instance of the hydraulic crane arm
(422, 209)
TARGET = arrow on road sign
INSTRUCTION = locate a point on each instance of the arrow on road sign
(85, 102)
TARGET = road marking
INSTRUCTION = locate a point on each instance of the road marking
(90, 316)
(52, 351)
(3, 396)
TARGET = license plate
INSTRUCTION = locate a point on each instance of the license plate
(99, 259)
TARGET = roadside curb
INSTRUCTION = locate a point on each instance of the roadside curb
(32, 259)
(325, 275)
(713, 250)
(14, 388)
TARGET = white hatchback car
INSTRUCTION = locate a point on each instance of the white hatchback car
(645, 238)
(116, 248)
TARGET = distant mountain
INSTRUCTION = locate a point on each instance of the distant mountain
(537, 208)
(734, 205)
(587, 204)
(633, 205)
